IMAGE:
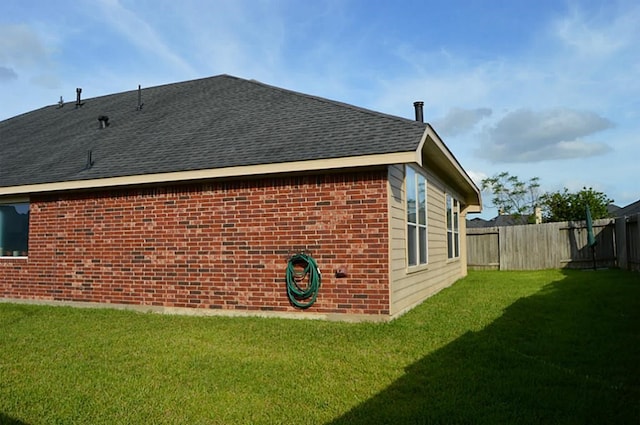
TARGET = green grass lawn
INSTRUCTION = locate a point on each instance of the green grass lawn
(550, 347)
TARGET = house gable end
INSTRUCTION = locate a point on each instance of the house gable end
(435, 156)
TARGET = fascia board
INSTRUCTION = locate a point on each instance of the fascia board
(228, 172)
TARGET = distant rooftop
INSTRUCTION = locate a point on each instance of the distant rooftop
(629, 210)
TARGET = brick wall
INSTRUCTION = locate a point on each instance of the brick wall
(217, 245)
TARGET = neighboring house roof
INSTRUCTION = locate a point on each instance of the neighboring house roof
(213, 127)
(629, 210)
(613, 209)
(511, 220)
(500, 220)
(476, 223)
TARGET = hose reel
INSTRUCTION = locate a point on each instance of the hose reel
(303, 280)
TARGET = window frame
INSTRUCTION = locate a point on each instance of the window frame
(416, 217)
(452, 211)
(10, 252)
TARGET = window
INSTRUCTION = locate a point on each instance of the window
(14, 230)
(453, 229)
(416, 189)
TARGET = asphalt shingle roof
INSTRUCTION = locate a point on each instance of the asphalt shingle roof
(498, 221)
(629, 210)
(209, 123)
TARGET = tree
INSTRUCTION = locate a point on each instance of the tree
(511, 195)
(567, 206)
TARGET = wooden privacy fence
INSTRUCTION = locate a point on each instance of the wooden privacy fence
(555, 245)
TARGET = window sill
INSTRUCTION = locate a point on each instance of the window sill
(13, 257)
(417, 269)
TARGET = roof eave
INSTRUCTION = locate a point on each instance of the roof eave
(435, 155)
(216, 173)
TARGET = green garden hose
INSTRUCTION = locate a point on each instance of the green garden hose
(311, 273)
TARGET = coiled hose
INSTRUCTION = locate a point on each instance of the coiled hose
(296, 292)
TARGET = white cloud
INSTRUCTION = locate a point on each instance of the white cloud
(590, 56)
(141, 34)
(599, 34)
(477, 176)
(459, 120)
(7, 74)
(439, 90)
(530, 136)
(26, 55)
(20, 46)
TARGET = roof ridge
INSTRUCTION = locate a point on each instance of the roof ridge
(262, 84)
(330, 101)
(158, 86)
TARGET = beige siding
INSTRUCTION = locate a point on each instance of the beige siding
(409, 287)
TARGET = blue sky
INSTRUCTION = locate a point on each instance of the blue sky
(546, 89)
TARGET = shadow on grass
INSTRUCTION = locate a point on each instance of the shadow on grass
(7, 420)
(567, 355)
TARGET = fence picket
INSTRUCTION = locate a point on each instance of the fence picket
(555, 245)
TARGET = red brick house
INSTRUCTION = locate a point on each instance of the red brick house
(193, 197)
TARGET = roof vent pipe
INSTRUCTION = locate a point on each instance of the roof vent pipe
(90, 160)
(140, 104)
(418, 107)
(78, 101)
(104, 121)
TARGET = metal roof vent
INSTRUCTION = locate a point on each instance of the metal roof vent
(418, 107)
(104, 121)
(90, 160)
(140, 104)
(79, 102)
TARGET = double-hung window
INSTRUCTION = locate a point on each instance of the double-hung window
(14, 230)
(416, 194)
(453, 227)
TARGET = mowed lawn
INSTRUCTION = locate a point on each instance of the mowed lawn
(549, 347)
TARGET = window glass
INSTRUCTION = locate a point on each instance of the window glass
(411, 242)
(422, 200)
(423, 245)
(455, 215)
(411, 196)
(416, 204)
(449, 216)
(453, 232)
(14, 230)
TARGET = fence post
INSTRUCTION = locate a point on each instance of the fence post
(621, 242)
(501, 247)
